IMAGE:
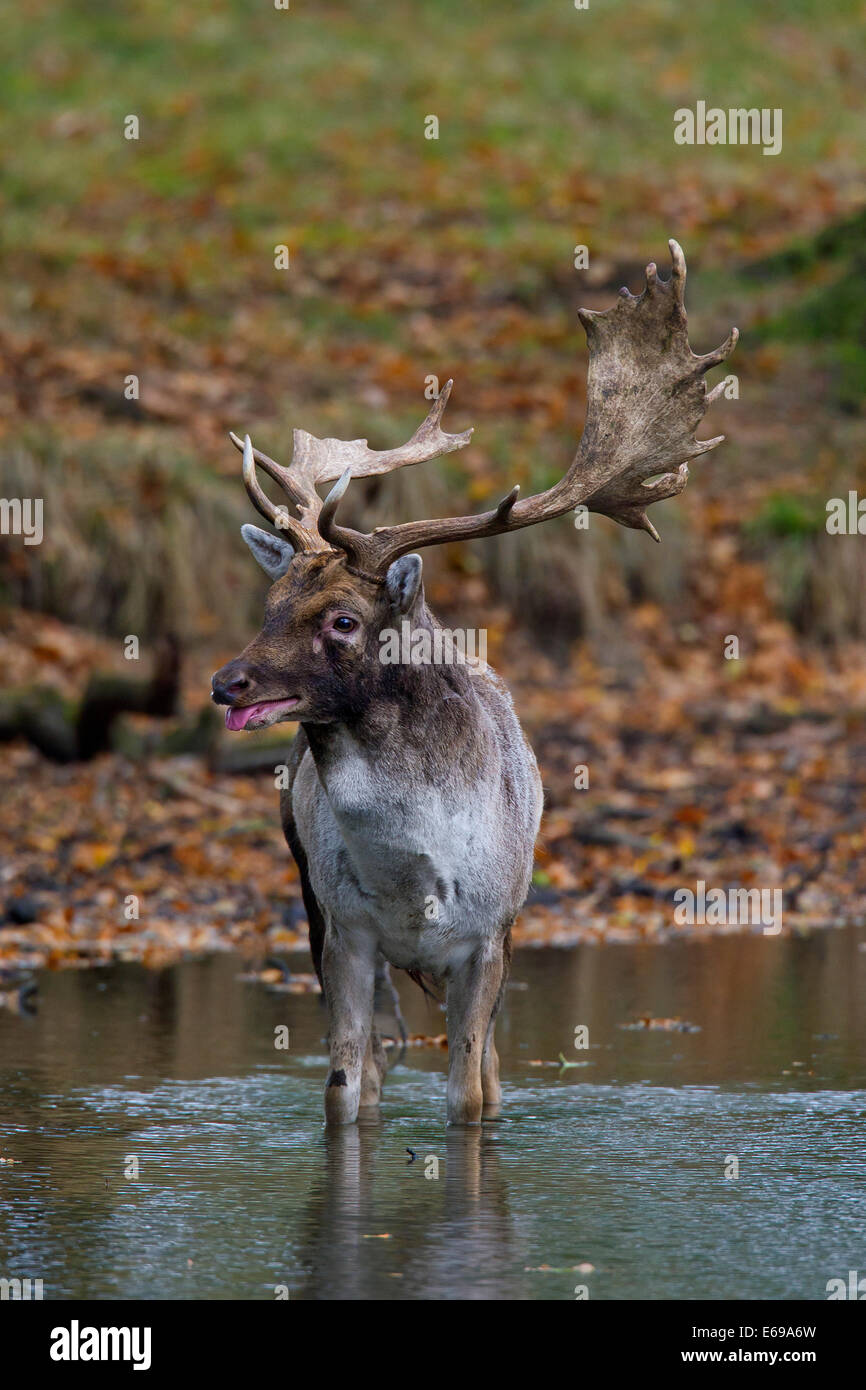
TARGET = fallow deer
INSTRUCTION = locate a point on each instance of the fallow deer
(413, 785)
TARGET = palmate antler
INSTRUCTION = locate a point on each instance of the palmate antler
(646, 395)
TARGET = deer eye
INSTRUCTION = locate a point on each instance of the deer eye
(344, 624)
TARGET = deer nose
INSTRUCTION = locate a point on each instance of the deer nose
(227, 684)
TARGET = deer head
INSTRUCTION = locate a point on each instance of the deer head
(334, 588)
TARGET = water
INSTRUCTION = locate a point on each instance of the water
(618, 1164)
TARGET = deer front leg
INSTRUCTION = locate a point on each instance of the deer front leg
(472, 996)
(373, 1071)
(348, 968)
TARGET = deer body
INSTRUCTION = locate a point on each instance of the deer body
(415, 799)
(421, 859)
(421, 821)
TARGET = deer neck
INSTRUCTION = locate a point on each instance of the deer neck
(411, 717)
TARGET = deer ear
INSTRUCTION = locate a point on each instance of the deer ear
(403, 581)
(272, 552)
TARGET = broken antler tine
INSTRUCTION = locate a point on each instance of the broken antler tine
(712, 359)
(332, 502)
(652, 275)
(716, 392)
(668, 485)
(504, 508)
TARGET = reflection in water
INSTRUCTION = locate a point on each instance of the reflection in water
(466, 1251)
(619, 1163)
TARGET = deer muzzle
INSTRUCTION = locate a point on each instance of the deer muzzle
(233, 685)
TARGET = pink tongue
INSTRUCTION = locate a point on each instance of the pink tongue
(240, 718)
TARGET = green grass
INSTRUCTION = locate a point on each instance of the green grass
(314, 115)
(828, 271)
(784, 515)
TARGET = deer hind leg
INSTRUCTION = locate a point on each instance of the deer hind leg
(473, 994)
(387, 1020)
(386, 1004)
(347, 973)
(490, 1087)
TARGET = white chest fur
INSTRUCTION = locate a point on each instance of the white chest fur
(424, 869)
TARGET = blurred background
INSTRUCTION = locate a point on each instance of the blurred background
(133, 826)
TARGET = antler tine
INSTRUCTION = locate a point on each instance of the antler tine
(275, 470)
(437, 410)
(504, 508)
(719, 354)
(328, 528)
(678, 265)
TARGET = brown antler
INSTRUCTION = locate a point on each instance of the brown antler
(322, 460)
(646, 395)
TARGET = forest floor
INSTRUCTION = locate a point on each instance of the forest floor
(652, 784)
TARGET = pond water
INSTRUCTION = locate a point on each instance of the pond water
(619, 1163)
